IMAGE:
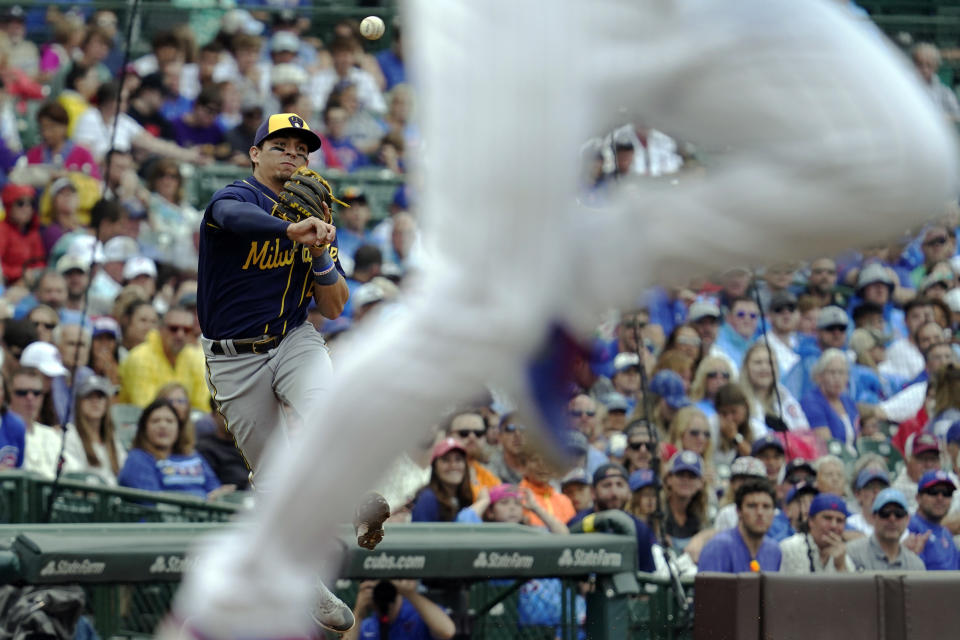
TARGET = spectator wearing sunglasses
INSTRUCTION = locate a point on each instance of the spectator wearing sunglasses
(46, 358)
(44, 319)
(882, 550)
(934, 542)
(507, 461)
(468, 429)
(42, 442)
(938, 244)
(584, 417)
(168, 354)
(832, 326)
(21, 249)
(639, 451)
(712, 373)
(783, 339)
(740, 328)
(690, 431)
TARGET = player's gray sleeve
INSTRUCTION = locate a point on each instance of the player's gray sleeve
(246, 218)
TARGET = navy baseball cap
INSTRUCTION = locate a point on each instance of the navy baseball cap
(799, 464)
(577, 475)
(287, 122)
(766, 442)
(888, 496)
(799, 489)
(868, 475)
(611, 469)
(933, 478)
(642, 478)
(828, 502)
(953, 433)
(669, 385)
(687, 461)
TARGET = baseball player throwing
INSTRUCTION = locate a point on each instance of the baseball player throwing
(267, 247)
(822, 137)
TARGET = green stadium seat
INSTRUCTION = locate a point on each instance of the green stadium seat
(125, 418)
(889, 452)
(837, 448)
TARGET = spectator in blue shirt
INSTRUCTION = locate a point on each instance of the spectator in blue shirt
(876, 284)
(746, 547)
(12, 433)
(448, 490)
(160, 460)
(832, 325)
(738, 332)
(391, 61)
(830, 409)
(934, 543)
(611, 490)
(394, 609)
(352, 231)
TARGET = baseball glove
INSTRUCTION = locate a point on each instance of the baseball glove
(302, 196)
(368, 520)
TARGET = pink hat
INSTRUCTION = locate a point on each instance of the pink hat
(445, 446)
(502, 491)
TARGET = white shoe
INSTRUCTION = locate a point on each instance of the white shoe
(331, 612)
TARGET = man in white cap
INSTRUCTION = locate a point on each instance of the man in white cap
(46, 358)
(141, 271)
(42, 442)
(108, 281)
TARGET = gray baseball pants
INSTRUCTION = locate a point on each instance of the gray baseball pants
(263, 395)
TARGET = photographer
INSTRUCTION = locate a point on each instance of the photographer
(394, 610)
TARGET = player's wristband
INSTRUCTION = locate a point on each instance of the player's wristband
(324, 270)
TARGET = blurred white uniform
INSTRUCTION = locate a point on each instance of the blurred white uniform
(828, 140)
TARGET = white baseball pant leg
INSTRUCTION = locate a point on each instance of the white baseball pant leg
(506, 88)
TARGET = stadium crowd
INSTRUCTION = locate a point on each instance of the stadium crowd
(800, 417)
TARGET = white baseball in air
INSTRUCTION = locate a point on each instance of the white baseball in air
(372, 28)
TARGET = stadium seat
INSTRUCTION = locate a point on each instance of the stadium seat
(889, 452)
(125, 418)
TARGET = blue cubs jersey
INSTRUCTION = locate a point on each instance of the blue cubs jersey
(12, 440)
(251, 284)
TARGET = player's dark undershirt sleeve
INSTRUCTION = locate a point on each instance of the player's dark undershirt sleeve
(246, 218)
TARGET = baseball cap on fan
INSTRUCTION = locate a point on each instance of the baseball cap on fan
(832, 316)
(45, 357)
(703, 309)
(287, 122)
